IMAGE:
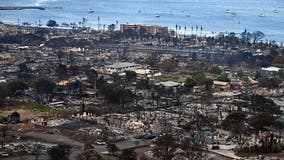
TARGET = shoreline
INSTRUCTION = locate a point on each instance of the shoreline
(204, 34)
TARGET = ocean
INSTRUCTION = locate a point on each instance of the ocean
(214, 16)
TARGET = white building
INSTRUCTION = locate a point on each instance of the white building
(269, 71)
(121, 67)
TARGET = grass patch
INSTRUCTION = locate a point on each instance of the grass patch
(37, 107)
(280, 120)
(174, 78)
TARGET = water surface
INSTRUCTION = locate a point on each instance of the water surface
(210, 14)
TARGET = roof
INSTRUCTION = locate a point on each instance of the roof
(271, 69)
(169, 84)
(121, 65)
(220, 83)
(142, 71)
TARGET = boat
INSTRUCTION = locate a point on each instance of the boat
(275, 11)
(188, 15)
(228, 11)
(91, 10)
(157, 15)
(261, 14)
(233, 14)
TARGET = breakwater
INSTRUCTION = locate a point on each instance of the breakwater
(20, 7)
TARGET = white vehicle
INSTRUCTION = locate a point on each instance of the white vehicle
(4, 154)
(100, 143)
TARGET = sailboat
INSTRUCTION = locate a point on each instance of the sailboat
(91, 10)
(261, 14)
(188, 15)
(275, 11)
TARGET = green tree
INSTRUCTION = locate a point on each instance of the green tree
(278, 61)
(61, 71)
(261, 120)
(259, 103)
(234, 121)
(281, 74)
(257, 35)
(90, 155)
(59, 152)
(269, 82)
(194, 66)
(112, 148)
(111, 27)
(169, 65)
(73, 70)
(165, 147)
(130, 75)
(152, 60)
(16, 87)
(51, 23)
(246, 36)
(143, 84)
(216, 70)
(4, 93)
(128, 154)
(43, 88)
(23, 67)
(189, 83)
(116, 94)
(92, 76)
(14, 117)
(77, 89)
(223, 77)
(198, 78)
(208, 84)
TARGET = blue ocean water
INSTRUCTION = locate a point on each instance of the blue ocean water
(210, 14)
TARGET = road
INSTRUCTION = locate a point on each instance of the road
(77, 147)
(156, 48)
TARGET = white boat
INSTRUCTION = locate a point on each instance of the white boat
(228, 11)
(157, 16)
(91, 10)
(261, 14)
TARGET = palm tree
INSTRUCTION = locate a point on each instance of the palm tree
(98, 22)
(84, 21)
(80, 23)
(179, 28)
(176, 30)
(117, 23)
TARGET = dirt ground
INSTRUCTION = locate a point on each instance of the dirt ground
(24, 114)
